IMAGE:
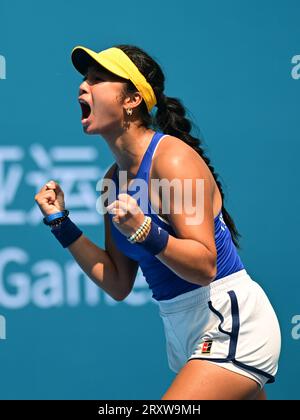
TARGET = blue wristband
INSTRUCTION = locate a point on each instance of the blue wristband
(67, 232)
(48, 219)
(156, 239)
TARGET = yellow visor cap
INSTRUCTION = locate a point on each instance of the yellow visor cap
(117, 62)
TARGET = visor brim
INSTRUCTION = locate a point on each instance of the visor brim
(83, 58)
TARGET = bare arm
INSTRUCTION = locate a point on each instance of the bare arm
(192, 254)
(110, 269)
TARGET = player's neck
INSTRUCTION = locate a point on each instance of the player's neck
(129, 147)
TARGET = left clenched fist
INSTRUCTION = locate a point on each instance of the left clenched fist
(128, 216)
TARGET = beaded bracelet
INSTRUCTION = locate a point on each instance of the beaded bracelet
(145, 227)
(143, 235)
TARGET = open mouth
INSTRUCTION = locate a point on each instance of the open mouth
(85, 109)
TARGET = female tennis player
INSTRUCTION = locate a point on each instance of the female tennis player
(222, 335)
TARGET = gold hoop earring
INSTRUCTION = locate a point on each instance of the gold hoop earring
(129, 111)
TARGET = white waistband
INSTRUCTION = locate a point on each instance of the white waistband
(202, 294)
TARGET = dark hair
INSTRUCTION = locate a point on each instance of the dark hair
(170, 117)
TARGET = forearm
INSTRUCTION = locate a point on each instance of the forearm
(97, 264)
(189, 259)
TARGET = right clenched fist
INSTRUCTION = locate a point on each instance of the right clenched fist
(50, 198)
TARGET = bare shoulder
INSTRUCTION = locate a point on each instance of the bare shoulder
(173, 144)
(175, 158)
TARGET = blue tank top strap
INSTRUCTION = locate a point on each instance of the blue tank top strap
(143, 171)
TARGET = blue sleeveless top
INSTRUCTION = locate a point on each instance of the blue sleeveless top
(163, 282)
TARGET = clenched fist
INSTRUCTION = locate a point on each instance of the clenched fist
(128, 216)
(50, 198)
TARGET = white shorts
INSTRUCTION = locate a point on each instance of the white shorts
(230, 323)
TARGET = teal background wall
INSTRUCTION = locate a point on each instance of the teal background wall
(236, 66)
